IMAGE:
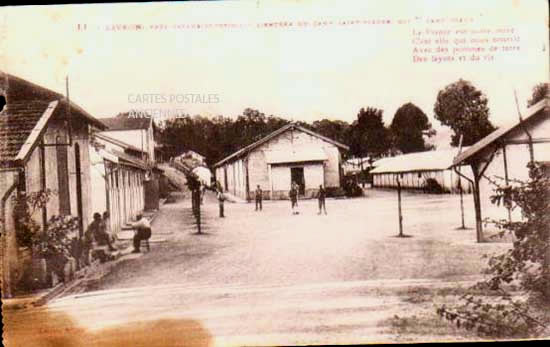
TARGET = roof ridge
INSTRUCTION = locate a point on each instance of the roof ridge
(276, 133)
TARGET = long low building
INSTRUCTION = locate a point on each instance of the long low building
(419, 170)
(289, 154)
(118, 171)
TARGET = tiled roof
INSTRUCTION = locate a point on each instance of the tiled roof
(123, 122)
(27, 104)
(16, 124)
(540, 109)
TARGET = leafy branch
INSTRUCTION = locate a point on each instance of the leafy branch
(525, 264)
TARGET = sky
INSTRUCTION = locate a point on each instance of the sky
(298, 72)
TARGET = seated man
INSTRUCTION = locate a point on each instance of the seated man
(98, 230)
(143, 232)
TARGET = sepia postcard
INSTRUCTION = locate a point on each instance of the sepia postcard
(274, 173)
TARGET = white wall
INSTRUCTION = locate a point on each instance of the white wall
(97, 178)
(517, 158)
(141, 139)
(327, 174)
(314, 175)
(280, 176)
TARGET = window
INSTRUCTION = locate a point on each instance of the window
(22, 184)
(2, 102)
(63, 178)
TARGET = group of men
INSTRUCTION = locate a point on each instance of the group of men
(293, 194)
(98, 231)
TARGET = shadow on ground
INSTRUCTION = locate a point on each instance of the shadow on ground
(36, 327)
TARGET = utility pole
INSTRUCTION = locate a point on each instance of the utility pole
(196, 206)
(460, 186)
(399, 207)
(198, 211)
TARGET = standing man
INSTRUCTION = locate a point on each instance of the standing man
(221, 199)
(321, 197)
(293, 194)
(259, 197)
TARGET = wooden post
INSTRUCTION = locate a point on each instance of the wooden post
(477, 204)
(399, 207)
(460, 184)
(362, 174)
(199, 210)
(196, 206)
(461, 202)
(506, 179)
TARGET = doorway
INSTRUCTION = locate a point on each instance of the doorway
(63, 178)
(78, 174)
(297, 175)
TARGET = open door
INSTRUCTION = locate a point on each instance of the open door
(297, 176)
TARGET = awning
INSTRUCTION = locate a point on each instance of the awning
(108, 156)
(296, 155)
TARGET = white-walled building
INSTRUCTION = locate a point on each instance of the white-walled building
(413, 170)
(291, 153)
(44, 142)
(117, 175)
(136, 131)
(503, 156)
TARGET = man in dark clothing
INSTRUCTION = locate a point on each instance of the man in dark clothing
(87, 242)
(321, 197)
(98, 230)
(221, 199)
(258, 197)
(293, 194)
(103, 238)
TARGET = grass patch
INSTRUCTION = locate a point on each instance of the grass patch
(417, 295)
(425, 324)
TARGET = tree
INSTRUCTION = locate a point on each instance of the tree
(219, 136)
(539, 92)
(408, 128)
(333, 129)
(368, 135)
(526, 265)
(464, 109)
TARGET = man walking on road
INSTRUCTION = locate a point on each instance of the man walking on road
(293, 194)
(221, 199)
(259, 197)
(321, 197)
